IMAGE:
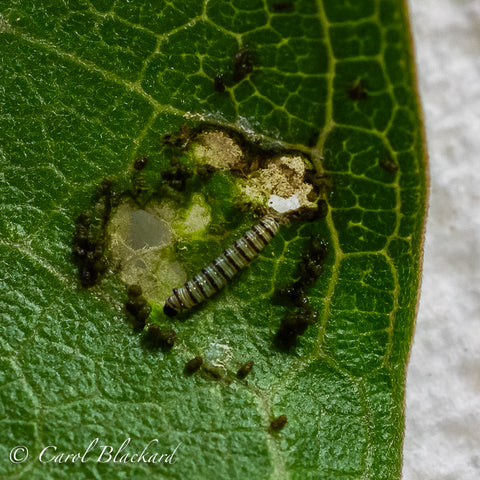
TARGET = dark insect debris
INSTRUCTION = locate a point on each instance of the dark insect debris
(389, 165)
(205, 170)
(311, 265)
(193, 365)
(243, 65)
(157, 337)
(137, 307)
(294, 293)
(219, 83)
(358, 90)
(309, 269)
(307, 214)
(294, 325)
(176, 176)
(278, 423)
(89, 239)
(134, 291)
(245, 369)
(140, 163)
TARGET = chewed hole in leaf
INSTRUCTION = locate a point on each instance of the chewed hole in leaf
(171, 223)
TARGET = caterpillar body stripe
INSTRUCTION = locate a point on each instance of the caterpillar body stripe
(216, 275)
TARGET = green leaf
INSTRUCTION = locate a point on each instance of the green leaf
(88, 87)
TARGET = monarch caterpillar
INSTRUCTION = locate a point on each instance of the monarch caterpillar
(216, 275)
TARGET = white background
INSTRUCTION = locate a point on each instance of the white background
(442, 439)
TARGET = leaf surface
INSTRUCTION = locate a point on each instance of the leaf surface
(87, 87)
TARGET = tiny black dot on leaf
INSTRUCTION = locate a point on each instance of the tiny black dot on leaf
(140, 163)
(278, 423)
(389, 166)
(358, 90)
(245, 369)
(193, 365)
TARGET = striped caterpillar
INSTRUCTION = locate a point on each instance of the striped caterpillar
(216, 275)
